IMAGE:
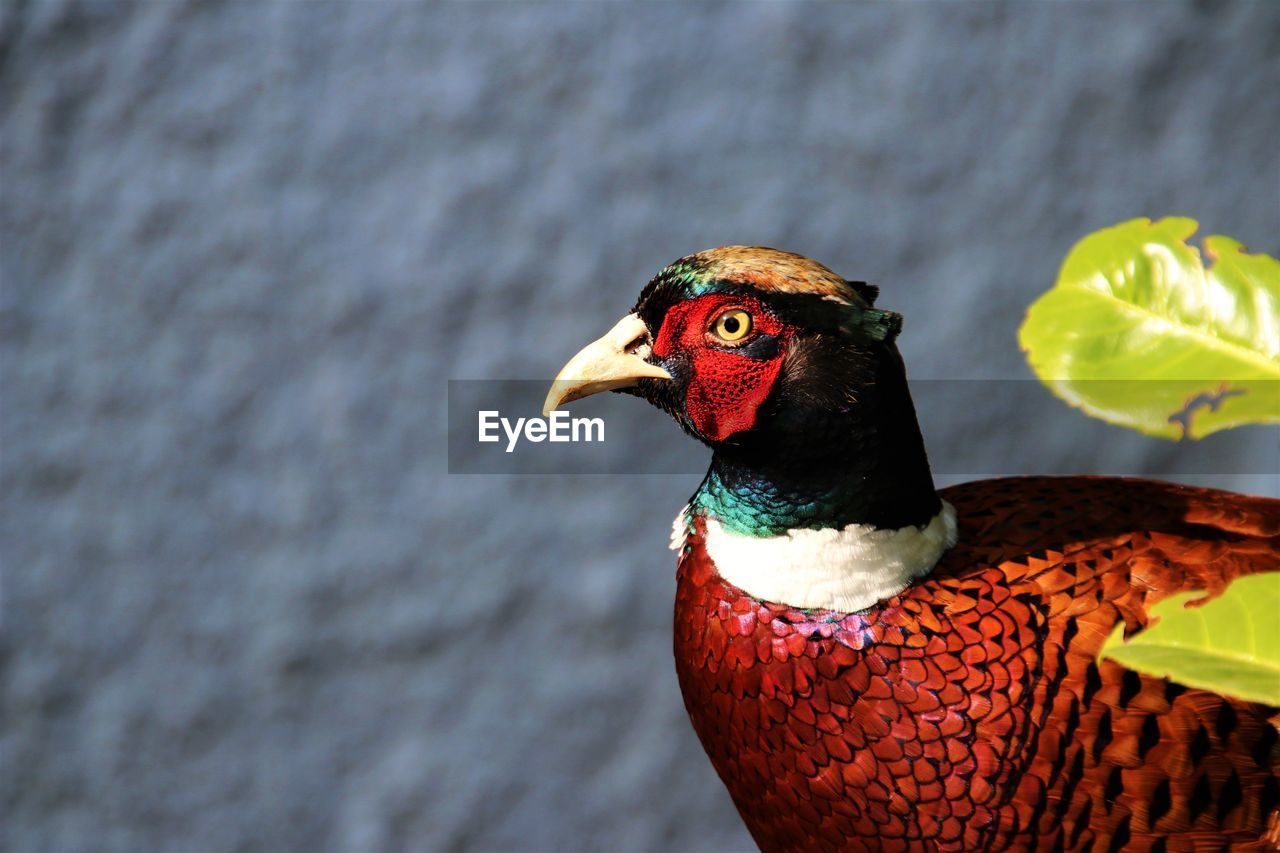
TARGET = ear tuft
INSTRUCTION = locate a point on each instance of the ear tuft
(870, 325)
(868, 292)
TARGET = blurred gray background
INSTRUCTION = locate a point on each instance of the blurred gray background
(244, 246)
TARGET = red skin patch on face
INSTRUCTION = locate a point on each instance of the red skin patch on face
(727, 387)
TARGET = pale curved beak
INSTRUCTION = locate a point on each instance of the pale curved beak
(614, 361)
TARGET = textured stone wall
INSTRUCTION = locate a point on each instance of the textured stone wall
(243, 246)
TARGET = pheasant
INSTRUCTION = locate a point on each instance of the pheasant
(872, 664)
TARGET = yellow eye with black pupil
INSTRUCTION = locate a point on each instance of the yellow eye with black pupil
(732, 326)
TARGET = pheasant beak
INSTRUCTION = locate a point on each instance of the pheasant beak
(617, 360)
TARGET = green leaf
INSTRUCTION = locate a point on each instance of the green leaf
(1139, 333)
(1230, 645)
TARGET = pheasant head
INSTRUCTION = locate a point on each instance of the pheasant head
(790, 374)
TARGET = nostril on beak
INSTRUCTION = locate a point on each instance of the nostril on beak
(640, 346)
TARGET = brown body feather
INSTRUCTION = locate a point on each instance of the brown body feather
(970, 712)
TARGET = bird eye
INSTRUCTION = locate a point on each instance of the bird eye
(731, 326)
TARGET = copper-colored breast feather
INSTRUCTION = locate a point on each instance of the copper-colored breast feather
(970, 711)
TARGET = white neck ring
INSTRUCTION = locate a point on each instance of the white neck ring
(843, 569)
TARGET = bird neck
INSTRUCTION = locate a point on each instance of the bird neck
(860, 464)
(826, 511)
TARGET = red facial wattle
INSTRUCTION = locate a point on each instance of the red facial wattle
(729, 382)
